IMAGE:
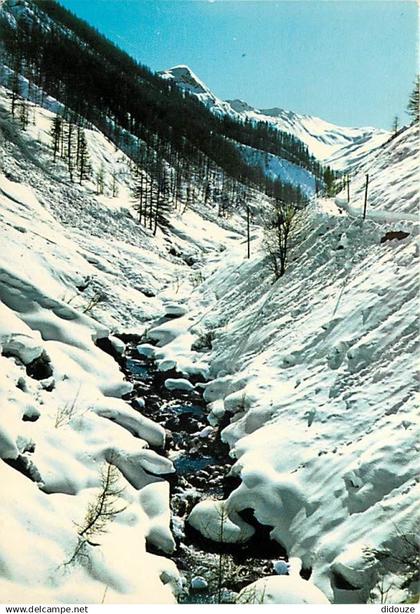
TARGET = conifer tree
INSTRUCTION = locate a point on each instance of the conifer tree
(139, 194)
(114, 184)
(83, 161)
(413, 107)
(15, 85)
(69, 143)
(23, 114)
(163, 197)
(56, 134)
(329, 180)
(100, 179)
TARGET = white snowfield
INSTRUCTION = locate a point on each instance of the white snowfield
(61, 245)
(60, 433)
(326, 435)
(281, 589)
(387, 202)
(279, 168)
(316, 369)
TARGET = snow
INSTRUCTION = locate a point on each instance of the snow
(217, 389)
(172, 309)
(147, 350)
(198, 583)
(153, 499)
(281, 589)
(327, 356)
(398, 161)
(139, 425)
(340, 147)
(117, 344)
(189, 82)
(316, 371)
(215, 522)
(207, 431)
(279, 168)
(78, 420)
(165, 333)
(178, 384)
(140, 403)
(46, 539)
(166, 365)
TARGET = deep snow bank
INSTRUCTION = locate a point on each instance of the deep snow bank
(55, 438)
(62, 417)
(318, 372)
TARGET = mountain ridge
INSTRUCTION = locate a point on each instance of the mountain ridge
(340, 147)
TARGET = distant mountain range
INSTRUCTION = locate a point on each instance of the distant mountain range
(340, 147)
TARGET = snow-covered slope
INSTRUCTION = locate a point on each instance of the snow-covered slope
(315, 370)
(340, 147)
(62, 247)
(395, 165)
(279, 168)
(61, 431)
(185, 78)
(318, 375)
(337, 146)
(326, 429)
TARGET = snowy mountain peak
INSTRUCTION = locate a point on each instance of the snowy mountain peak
(188, 81)
(277, 112)
(186, 78)
(341, 147)
(240, 105)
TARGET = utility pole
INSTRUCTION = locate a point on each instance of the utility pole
(366, 196)
(348, 188)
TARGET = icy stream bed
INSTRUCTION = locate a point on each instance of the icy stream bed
(202, 465)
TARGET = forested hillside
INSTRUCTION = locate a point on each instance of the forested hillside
(138, 110)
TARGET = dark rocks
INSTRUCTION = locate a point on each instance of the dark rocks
(230, 483)
(202, 470)
(21, 384)
(84, 284)
(340, 582)
(188, 423)
(40, 368)
(30, 417)
(148, 292)
(25, 466)
(105, 345)
(392, 235)
(204, 343)
(48, 384)
(202, 465)
(190, 260)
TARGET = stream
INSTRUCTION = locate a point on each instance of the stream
(202, 465)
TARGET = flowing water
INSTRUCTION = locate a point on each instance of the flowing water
(202, 464)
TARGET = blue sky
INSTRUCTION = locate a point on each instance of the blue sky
(352, 62)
